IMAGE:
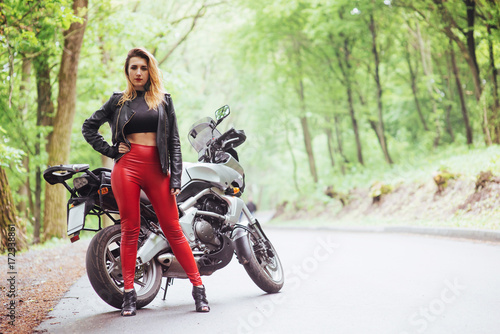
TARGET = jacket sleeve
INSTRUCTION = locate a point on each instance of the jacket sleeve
(174, 147)
(90, 128)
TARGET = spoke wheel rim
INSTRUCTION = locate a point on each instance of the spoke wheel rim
(145, 273)
(270, 265)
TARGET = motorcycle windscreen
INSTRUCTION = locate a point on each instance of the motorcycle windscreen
(202, 132)
(76, 218)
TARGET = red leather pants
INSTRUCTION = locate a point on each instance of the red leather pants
(141, 169)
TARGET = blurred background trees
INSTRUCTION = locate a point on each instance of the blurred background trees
(323, 89)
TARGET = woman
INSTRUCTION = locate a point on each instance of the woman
(145, 147)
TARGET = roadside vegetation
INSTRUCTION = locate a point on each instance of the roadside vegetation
(454, 187)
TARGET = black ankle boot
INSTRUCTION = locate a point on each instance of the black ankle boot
(128, 306)
(200, 299)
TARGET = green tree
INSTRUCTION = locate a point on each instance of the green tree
(60, 138)
(277, 34)
(12, 229)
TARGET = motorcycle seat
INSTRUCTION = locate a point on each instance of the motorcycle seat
(106, 179)
(144, 198)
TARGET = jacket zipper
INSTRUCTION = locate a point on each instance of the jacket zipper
(123, 134)
(167, 160)
(118, 119)
(124, 125)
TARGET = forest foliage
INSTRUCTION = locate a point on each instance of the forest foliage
(324, 89)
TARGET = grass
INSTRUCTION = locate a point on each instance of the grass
(417, 169)
(456, 159)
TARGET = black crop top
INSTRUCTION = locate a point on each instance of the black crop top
(144, 119)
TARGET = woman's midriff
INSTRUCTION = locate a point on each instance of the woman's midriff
(143, 138)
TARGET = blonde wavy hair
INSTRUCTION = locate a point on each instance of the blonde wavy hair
(155, 94)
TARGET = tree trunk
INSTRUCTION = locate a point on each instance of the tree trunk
(105, 161)
(24, 190)
(374, 126)
(303, 118)
(468, 51)
(346, 73)
(45, 110)
(340, 146)
(12, 232)
(59, 144)
(470, 62)
(294, 161)
(471, 42)
(338, 136)
(44, 117)
(494, 79)
(354, 124)
(309, 150)
(427, 68)
(486, 127)
(446, 78)
(465, 115)
(380, 125)
(449, 106)
(329, 140)
(413, 79)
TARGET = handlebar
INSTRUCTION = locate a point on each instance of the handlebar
(224, 143)
(233, 137)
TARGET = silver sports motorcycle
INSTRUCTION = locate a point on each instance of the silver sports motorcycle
(213, 217)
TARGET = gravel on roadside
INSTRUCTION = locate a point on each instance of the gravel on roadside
(42, 278)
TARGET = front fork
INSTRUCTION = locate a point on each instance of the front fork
(252, 225)
(244, 249)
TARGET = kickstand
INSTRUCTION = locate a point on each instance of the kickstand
(170, 281)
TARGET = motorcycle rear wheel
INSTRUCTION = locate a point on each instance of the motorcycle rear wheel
(263, 266)
(104, 270)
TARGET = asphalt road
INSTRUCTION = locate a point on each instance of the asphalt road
(335, 283)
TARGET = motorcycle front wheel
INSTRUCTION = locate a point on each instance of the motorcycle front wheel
(105, 272)
(263, 266)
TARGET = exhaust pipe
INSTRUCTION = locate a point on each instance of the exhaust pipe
(174, 268)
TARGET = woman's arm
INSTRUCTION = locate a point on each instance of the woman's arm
(174, 147)
(90, 128)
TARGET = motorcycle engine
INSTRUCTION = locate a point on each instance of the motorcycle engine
(214, 205)
(207, 228)
(206, 234)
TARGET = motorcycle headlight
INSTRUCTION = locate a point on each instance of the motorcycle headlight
(80, 182)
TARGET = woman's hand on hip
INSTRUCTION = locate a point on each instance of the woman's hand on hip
(175, 192)
(123, 148)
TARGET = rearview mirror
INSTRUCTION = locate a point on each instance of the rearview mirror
(222, 113)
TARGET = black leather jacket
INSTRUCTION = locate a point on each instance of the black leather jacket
(167, 134)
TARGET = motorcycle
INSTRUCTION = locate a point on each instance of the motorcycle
(215, 220)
